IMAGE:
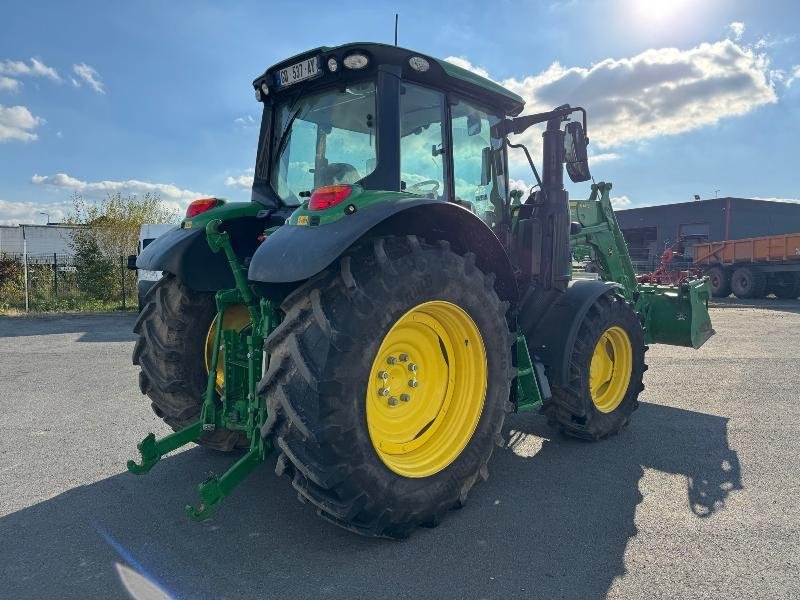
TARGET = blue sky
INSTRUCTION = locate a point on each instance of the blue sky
(684, 97)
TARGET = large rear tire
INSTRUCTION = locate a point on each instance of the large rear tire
(172, 328)
(747, 282)
(606, 370)
(346, 419)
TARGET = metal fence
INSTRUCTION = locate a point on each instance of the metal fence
(59, 282)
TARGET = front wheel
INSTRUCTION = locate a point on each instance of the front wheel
(388, 384)
(605, 376)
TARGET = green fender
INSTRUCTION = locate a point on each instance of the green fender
(296, 252)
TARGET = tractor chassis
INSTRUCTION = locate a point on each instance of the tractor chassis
(238, 406)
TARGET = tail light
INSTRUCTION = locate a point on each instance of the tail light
(328, 195)
(201, 206)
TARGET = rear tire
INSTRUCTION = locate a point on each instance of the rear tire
(572, 407)
(172, 329)
(748, 282)
(320, 371)
(720, 282)
(788, 287)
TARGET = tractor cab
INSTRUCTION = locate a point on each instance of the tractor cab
(382, 118)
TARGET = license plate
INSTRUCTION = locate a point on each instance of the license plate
(301, 71)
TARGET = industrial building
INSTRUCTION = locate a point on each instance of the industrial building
(40, 240)
(649, 230)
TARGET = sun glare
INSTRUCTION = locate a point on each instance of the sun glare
(656, 11)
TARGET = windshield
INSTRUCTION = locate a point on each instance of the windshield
(323, 139)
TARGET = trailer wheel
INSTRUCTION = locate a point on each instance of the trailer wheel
(606, 370)
(173, 327)
(788, 286)
(388, 384)
(747, 282)
(720, 282)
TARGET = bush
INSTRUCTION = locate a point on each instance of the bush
(95, 272)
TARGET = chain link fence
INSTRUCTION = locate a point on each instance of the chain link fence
(53, 282)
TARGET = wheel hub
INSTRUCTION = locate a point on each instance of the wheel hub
(610, 369)
(426, 389)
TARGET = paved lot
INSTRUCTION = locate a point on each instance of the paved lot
(697, 499)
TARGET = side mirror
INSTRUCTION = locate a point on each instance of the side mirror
(575, 156)
(132, 262)
(486, 165)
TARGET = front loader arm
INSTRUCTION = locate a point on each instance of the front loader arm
(675, 315)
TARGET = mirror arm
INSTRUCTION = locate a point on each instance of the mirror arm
(519, 124)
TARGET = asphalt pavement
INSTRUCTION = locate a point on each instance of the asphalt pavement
(698, 498)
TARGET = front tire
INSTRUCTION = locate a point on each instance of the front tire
(606, 370)
(720, 282)
(323, 389)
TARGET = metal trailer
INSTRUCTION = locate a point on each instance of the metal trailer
(753, 267)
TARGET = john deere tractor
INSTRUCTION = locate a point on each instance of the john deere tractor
(384, 300)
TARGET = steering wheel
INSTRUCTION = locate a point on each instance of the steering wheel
(418, 187)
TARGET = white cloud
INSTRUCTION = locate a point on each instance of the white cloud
(17, 123)
(245, 120)
(620, 201)
(795, 74)
(9, 85)
(36, 68)
(90, 76)
(604, 157)
(14, 213)
(737, 29)
(657, 92)
(174, 197)
(243, 181)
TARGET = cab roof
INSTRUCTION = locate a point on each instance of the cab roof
(441, 73)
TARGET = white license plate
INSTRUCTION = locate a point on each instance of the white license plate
(305, 69)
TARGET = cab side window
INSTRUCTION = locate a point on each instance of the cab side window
(422, 141)
(477, 185)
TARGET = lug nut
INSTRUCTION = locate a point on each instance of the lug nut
(383, 391)
(392, 401)
(412, 383)
(383, 375)
(404, 358)
(391, 360)
(412, 367)
(405, 397)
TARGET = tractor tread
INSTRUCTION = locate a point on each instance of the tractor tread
(313, 395)
(571, 409)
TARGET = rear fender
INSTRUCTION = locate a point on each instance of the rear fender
(295, 253)
(185, 253)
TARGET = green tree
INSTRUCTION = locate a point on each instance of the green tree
(110, 232)
(114, 222)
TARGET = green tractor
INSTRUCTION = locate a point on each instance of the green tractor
(385, 300)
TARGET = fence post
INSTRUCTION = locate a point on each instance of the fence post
(122, 271)
(25, 265)
(55, 276)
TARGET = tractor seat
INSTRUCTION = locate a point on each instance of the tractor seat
(341, 173)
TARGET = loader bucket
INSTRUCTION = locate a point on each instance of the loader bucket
(676, 315)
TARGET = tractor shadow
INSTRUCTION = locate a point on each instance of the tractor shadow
(93, 327)
(553, 521)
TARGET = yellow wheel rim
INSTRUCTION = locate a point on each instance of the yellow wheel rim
(426, 389)
(235, 317)
(610, 369)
